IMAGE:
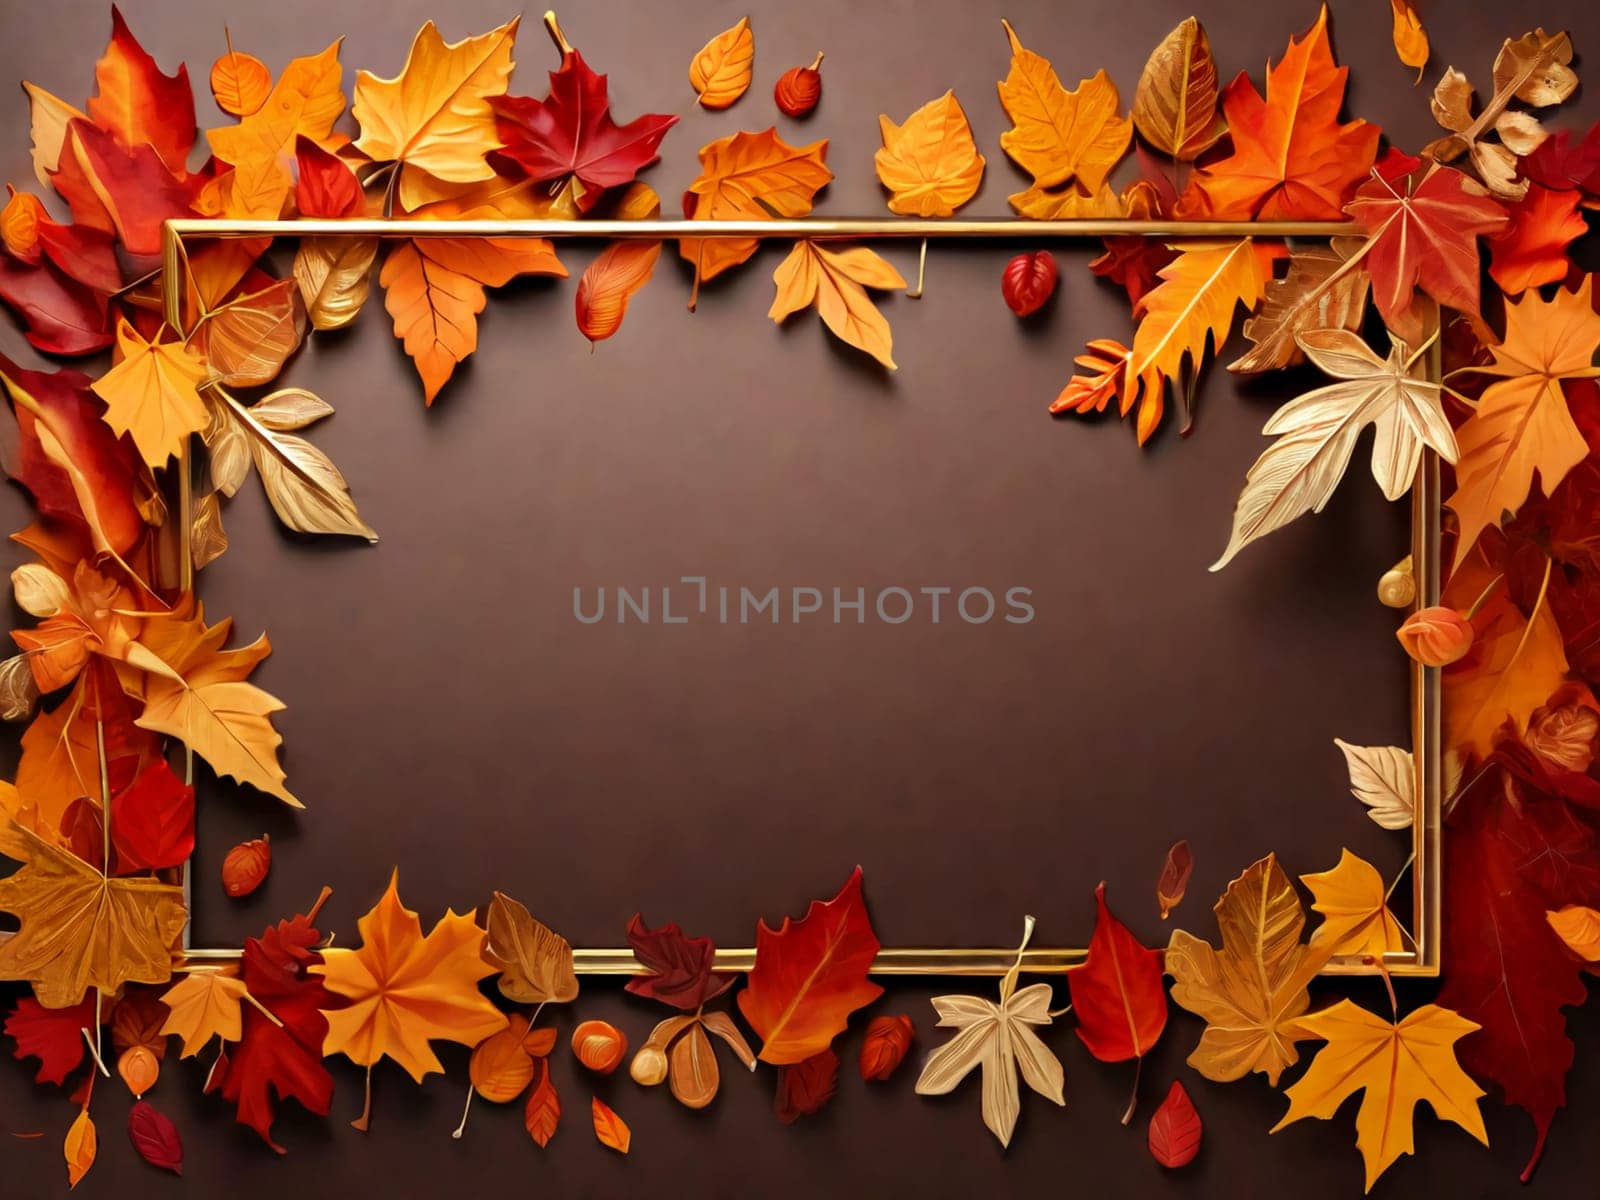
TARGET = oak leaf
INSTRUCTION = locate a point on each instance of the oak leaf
(1397, 1066)
(836, 282)
(80, 929)
(930, 164)
(1522, 423)
(1252, 991)
(433, 119)
(405, 989)
(203, 1005)
(1291, 156)
(720, 71)
(1355, 910)
(1175, 104)
(534, 961)
(151, 394)
(810, 975)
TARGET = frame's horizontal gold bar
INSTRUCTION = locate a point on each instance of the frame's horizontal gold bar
(809, 227)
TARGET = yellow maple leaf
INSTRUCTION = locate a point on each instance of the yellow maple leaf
(81, 929)
(1396, 1066)
(433, 118)
(1057, 135)
(203, 1005)
(406, 989)
(152, 394)
(836, 281)
(1522, 423)
(1355, 909)
(930, 164)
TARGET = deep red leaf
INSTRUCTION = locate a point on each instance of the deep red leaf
(1564, 165)
(155, 1137)
(1175, 1129)
(139, 104)
(1028, 281)
(887, 1043)
(59, 315)
(326, 186)
(572, 133)
(121, 190)
(52, 1035)
(806, 1087)
(152, 821)
(1117, 995)
(682, 966)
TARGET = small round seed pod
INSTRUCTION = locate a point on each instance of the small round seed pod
(600, 1046)
(246, 866)
(799, 88)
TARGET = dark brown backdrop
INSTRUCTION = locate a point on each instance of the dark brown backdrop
(448, 714)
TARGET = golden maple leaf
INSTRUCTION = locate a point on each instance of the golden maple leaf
(433, 119)
(1252, 991)
(152, 394)
(1059, 136)
(406, 989)
(1355, 909)
(1397, 1066)
(930, 164)
(836, 281)
(1522, 423)
(81, 929)
(203, 1005)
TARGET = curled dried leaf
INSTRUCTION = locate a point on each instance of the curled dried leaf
(1174, 879)
(535, 962)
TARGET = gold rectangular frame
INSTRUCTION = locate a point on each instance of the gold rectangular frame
(1426, 730)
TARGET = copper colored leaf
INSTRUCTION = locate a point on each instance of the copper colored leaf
(1321, 290)
(680, 966)
(611, 1130)
(805, 1087)
(930, 164)
(1117, 995)
(720, 72)
(692, 1072)
(543, 1111)
(810, 975)
(886, 1045)
(535, 963)
(1175, 1130)
(139, 1069)
(155, 1137)
(836, 282)
(1173, 881)
(247, 340)
(501, 1067)
(539, 1042)
(1175, 104)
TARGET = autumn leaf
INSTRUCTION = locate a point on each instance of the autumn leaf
(240, 83)
(152, 821)
(80, 929)
(80, 1148)
(749, 177)
(1173, 883)
(138, 104)
(1291, 159)
(1355, 910)
(887, 1042)
(1410, 38)
(1533, 249)
(325, 186)
(681, 967)
(619, 271)
(805, 1087)
(1317, 435)
(1252, 991)
(54, 1036)
(203, 1005)
(434, 119)
(1396, 1066)
(1321, 290)
(1175, 1130)
(611, 1130)
(810, 975)
(1000, 1039)
(930, 164)
(151, 394)
(1059, 136)
(501, 1067)
(1577, 925)
(836, 282)
(155, 1137)
(1522, 423)
(334, 275)
(1175, 104)
(534, 961)
(405, 989)
(1384, 779)
(720, 72)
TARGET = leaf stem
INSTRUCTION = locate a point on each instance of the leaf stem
(94, 1050)
(1133, 1097)
(462, 1128)
(364, 1121)
(922, 259)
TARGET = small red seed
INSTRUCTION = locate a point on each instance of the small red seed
(798, 89)
(245, 866)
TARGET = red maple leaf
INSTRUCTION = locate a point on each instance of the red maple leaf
(1532, 249)
(572, 134)
(681, 964)
(138, 104)
(52, 1035)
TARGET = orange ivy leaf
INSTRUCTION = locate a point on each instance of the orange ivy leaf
(151, 394)
(720, 73)
(836, 281)
(810, 975)
(1291, 157)
(1532, 250)
(611, 1129)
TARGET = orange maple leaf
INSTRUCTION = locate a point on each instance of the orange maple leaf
(1533, 248)
(1291, 157)
(836, 281)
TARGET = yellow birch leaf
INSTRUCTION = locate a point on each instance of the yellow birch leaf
(203, 1005)
(836, 281)
(1355, 909)
(152, 394)
(930, 164)
(720, 73)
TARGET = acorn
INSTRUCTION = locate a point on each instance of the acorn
(600, 1046)
(246, 866)
(799, 88)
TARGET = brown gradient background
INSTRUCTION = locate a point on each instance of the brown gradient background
(447, 713)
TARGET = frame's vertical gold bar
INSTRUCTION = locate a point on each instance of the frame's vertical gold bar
(1427, 737)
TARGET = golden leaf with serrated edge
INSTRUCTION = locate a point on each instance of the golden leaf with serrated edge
(1321, 290)
(535, 962)
(1175, 104)
(1396, 1066)
(720, 72)
(434, 117)
(1522, 423)
(1317, 435)
(151, 394)
(836, 281)
(1384, 779)
(930, 164)
(1355, 909)
(1058, 135)
(1251, 992)
(406, 989)
(998, 1038)
(334, 275)
(203, 1005)
(80, 929)
(1410, 38)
